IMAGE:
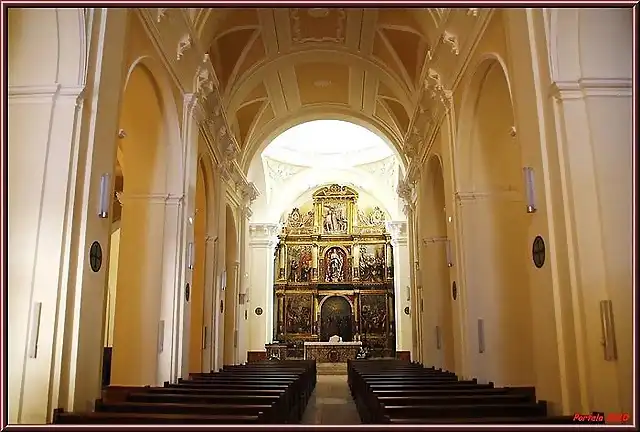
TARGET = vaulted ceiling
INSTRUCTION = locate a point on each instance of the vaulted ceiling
(276, 67)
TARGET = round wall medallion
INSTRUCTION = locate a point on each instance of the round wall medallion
(95, 256)
(454, 290)
(406, 310)
(538, 252)
(258, 311)
(187, 292)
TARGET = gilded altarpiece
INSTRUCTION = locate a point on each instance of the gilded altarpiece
(334, 274)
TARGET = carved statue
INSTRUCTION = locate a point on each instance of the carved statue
(334, 270)
(330, 219)
(293, 270)
(334, 219)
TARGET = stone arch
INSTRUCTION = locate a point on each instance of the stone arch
(579, 44)
(307, 114)
(169, 108)
(60, 43)
(230, 326)
(468, 108)
(494, 231)
(147, 268)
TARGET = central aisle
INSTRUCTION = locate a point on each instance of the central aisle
(331, 403)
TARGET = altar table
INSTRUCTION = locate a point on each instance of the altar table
(331, 352)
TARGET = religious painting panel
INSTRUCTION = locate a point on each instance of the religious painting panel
(373, 314)
(335, 265)
(372, 262)
(298, 313)
(299, 263)
(336, 318)
(334, 217)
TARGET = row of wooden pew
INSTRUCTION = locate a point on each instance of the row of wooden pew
(401, 392)
(269, 392)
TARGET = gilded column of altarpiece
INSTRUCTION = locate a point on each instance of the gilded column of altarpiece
(334, 274)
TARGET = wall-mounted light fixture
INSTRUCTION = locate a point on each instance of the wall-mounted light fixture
(530, 189)
(190, 255)
(122, 134)
(190, 220)
(481, 336)
(105, 196)
(34, 329)
(447, 245)
(608, 334)
(161, 336)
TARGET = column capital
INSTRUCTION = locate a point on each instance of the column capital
(398, 231)
(263, 234)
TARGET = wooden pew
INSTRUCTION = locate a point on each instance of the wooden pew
(394, 392)
(260, 393)
(62, 417)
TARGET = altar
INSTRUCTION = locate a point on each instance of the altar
(331, 352)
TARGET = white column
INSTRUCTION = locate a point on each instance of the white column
(401, 283)
(262, 243)
(144, 340)
(59, 146)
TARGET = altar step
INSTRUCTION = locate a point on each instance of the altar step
(331, 368)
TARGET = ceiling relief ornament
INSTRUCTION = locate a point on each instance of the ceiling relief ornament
(318, 25)
(183, 45)
(203, 84)
(249, 193)
(437, 90)
(411, 146)
(452, 41)
(407, 192)
(161, 13)
(279, 172)
(383, 169)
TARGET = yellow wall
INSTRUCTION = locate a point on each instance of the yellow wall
(198, 279)
(113, 280)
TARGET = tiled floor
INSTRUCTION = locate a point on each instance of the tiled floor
(331, 403)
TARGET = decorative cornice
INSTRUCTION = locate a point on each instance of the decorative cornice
(263, 234)
(431, 240)
(592, 87)
(166, 199)
(504, 195)
(397, 229)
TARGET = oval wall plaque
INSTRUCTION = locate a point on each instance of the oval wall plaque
(95, 256)
(406, 310)
(187, 292)
(454, 290)
(258, 311)
(538, 252)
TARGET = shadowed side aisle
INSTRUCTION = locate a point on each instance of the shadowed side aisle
(331, 403)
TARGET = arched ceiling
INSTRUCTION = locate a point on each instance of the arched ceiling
(273, 64)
